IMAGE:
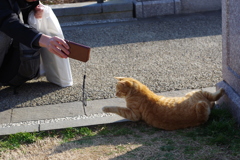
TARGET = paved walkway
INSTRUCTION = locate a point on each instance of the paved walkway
(165, 53)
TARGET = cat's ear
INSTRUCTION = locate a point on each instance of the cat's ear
(121, 83)
(119, 78)
(125, 83)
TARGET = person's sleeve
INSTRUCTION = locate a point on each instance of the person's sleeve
(11, 25)
(36, 41)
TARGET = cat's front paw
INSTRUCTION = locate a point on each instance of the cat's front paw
(106, 109)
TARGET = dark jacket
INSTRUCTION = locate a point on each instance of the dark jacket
(22, 61)
(11, 25)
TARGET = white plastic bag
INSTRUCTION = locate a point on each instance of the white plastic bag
(56, 69)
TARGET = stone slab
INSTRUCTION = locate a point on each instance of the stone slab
(5, 116)
(191, 6)
(210, 89)
(138, 7)
(117, 6)
(230, 101)
(82, 122)
(230, 34)
(157, 8)
(96, 106)
(177, 6)
(113, 9)
(232, 19)
(17, 129)
(47, 112)
(96, 17)
(77, 8)
(144, 9)
(230, 57)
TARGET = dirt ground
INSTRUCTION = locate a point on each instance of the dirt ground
(124, 141)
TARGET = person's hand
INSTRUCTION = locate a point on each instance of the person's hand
(55, 45)
(38, 11)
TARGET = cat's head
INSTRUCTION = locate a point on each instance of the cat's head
(125, 86)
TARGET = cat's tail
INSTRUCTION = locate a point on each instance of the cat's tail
(214, 96)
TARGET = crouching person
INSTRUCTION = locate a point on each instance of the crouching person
(20, 44)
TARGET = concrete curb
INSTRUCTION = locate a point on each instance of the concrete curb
(117, 9)
(65, 115)
(112, 9)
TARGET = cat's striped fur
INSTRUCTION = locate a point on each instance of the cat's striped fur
(167, 113)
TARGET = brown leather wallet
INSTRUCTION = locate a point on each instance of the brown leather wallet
(78, 51)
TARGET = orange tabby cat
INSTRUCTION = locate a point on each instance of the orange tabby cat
(167, 113)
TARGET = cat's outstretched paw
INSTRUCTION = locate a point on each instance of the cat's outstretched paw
(106, 109)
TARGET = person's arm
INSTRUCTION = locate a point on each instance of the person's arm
(13, 27)
(55, 45)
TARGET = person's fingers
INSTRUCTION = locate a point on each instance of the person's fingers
(61, 45)
(62, 48)
(55, 45)
(62, 42)
(37, 8)
(38, 11)
(57, 48)
(57, 52)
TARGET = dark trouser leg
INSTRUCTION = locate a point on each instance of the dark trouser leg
(5, 42)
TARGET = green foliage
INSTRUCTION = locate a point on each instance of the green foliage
(85, 131)
(85, 140)
(51, 133)
(221, 129)
(167, 148)
(15, 140)
(115, 130)
(22, 138)
(122, 131)
(169, 156)
(155, 139)
(191, 149)
(68, 133)
(104, 131)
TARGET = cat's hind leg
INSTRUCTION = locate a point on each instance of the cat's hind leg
(122, 111)
(203, 111)
(212, 104)
(213, 96)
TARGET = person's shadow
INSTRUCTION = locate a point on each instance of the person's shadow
(25, 94)
(138, 134)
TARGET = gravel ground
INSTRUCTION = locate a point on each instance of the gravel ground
(165, 53)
